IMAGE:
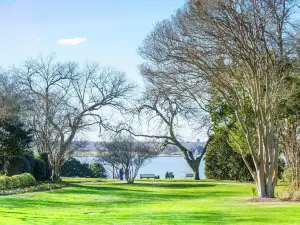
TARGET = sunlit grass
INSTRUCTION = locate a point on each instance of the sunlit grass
(146, 203)
(80, 179)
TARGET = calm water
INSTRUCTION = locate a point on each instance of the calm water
(159, 166)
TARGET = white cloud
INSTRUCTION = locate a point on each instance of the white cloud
(72, 41)
(37, 40)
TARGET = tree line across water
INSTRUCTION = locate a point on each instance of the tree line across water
(230, 68)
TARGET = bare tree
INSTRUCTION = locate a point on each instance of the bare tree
(129, 154)
(10, 98)
(241, 49)
(110, 163)
(290, 145)
(164, 112)
(64, 100)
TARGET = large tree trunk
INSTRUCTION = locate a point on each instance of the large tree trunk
(264, 189)
(55, 177)
(193, 163)
(196, 173)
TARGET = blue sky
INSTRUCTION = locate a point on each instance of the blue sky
(107, 31)
(110, 31)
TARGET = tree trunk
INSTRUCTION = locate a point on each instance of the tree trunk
(130, 181)
(260, 185)
(265, 186)
(55, 175)
(196, 173)
(113, 172)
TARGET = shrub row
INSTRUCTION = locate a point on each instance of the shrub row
(25, 164)
(39, 187)
(17, 181)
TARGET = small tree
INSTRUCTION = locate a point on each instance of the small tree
(15, 138)
(98, 170)
(109, 163)
(224, 163)
(129, 154)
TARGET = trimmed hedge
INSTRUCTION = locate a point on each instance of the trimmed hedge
(17, 181)
(44, 157)
(38, 187)
(39, 171)
(31, 161)
(38, 167)
(16, 165)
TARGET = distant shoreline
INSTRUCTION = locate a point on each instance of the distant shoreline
(155, 156)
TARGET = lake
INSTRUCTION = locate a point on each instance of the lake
(159, 166)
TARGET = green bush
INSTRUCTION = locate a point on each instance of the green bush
(223, 163)
(44, 157)
(98, 170)
(17, 181)
(28, 179)
(74, 168)
(31, 161)
(38, 167)
(39, 171)
(15, 138)
(16, 165)
(39, 187)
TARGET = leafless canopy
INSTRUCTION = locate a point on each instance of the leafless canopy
(166, 112)
(10, 98)
(64, 99)
(129, 154)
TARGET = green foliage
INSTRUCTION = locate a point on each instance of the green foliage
(74, 168)
(223, 163)
(39, 171)
(44, 157)
(98, 170)
(15, 139)
(38, 167)
(16, 165)
(31, 161)
(254, 192)
(17, 181)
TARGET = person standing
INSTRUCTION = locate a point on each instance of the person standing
(126, 174)
(121, 174)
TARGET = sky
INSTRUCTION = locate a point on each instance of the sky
(105, 31)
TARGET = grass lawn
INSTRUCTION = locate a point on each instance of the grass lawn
(146, 203)
(81, 179)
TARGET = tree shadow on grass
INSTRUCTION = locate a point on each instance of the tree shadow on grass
(130, 192)
(164, 217)
(116, 194)
(174, 185)
(205, 217)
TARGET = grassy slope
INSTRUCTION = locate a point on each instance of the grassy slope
(145, 203)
